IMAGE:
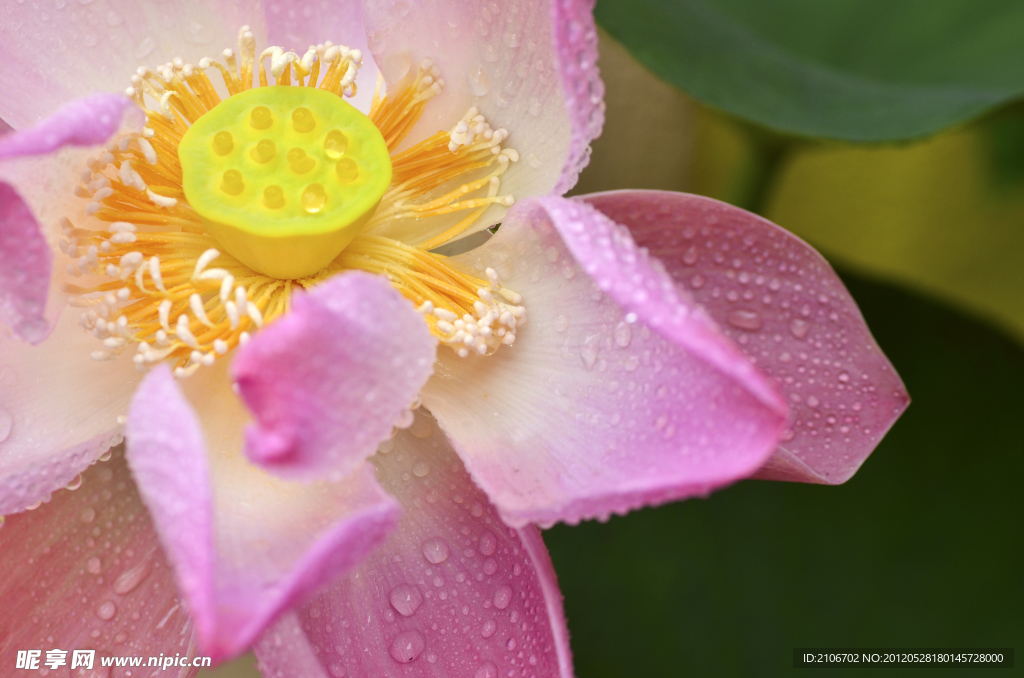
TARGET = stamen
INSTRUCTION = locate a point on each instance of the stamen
(140, 223)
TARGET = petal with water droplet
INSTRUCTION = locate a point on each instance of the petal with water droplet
(54, 428)
(511, 617)
(549, 95)
(102, 584)
(245, 545)
(809, 334)
(579, 423)
(329, 380)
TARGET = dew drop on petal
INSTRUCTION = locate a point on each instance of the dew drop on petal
(406, 599)
(486, 670)
(407, 646)
(502, 597)
(488, 543)
(6, 424)
(106, 610)
(435, 550)
(489, 628)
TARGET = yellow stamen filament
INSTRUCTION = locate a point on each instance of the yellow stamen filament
(151, 276)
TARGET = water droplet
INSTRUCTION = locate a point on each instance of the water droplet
(6, 424)
(273, 197)
(697, 281)
(744, 320)
(510, 645)
(336, 670)
(407, 646)
(88, 515)
(347, 170)
(406, 599)
(799, 328)
(623, 334)
(812, 401)
(489, 628)
(303, 120)
(106, 611)
(488, 543)
(690, 256)
(844, 377)
(479, 81)
(223, 142)
(421, 469)
(75, 483)
(435, 550)
(335, 144)
(533, 161)
(502, 597)
(314, 198)
(486, 670)
(260, 118)
(93, 565)
(132, 577)
(144, 47)
(490, 566)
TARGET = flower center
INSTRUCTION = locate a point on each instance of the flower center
(284, 177)
(198, 229)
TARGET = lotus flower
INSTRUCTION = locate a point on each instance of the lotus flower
(340, 441)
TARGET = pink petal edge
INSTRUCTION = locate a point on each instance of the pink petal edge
(245, 546)
(85, 571)
(789, 312)
(329, 380)
(453, 591)
(619, 392)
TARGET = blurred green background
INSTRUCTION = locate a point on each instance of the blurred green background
(922, 548)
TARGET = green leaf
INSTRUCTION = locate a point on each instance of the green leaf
(922, 548)
(859, 70)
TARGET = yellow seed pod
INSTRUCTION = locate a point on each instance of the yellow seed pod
(286, 214)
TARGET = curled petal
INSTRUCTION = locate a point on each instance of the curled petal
(245, 545)
(618, 392)
(529, 67)
(25, 257)
(328, 381)
(86, 570)
(786, 309)
(25, 266)
(452, 592)
(88, 121)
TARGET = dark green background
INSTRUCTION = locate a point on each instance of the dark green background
(922, 548)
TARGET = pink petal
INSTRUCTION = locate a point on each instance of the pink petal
(86, 571)
(619, 391)
(66, 52)
(59, 410)
(25, 262)
(788, 311)
(88, 121)
(453, 591)
(328, 381)
(25, 258)
(245, 545)
(529, 66)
